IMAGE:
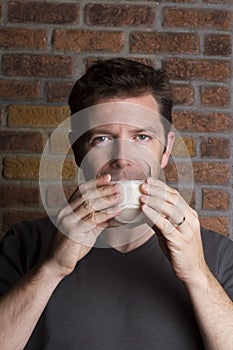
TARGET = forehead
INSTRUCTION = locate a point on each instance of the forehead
(138, 112)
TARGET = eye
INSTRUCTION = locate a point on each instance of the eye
(100, 140)
(142, 137)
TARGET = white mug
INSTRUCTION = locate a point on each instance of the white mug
(131, 212)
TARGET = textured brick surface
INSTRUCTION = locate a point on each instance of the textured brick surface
(183, 94)
(23, 38)
(193, 18)
(218, 45)
(43, 12)
(215, 147)
(37, 65)
(21, 141)
(59, 91)
(115, 15)
(215, 199)
(201, 69)
(28, 168)
(184, 147)
(218, 96)
(212, 173)
(164, 42)
(202, 122)
(84, 40)
(201, 172)
(37, 116)
(19, 195)
(19, 89)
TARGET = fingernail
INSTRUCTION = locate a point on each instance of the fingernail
(145, 187)
(144, 198)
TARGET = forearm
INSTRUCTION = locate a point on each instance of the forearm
(21, 307)
(214, 312)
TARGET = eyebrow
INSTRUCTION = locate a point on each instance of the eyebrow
(94, 131)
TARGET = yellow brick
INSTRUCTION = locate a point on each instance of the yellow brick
(50, 169)
(37, 116)
(179, 149)
(23, 168)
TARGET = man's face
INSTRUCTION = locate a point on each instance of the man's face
(125, 139)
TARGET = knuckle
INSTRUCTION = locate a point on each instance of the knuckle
(87, 205)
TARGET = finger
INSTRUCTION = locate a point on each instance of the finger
(162, 191)
(97, 218)
(167, 198)
(173, 212)
(161, 222)
(97, 205)
(88, 190)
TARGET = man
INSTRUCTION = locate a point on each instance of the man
(153, 291)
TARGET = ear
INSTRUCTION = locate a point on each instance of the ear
(167, 153)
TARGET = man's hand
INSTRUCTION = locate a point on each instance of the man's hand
(179, 227)
(91, 207)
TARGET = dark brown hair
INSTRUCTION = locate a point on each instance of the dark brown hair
(120, 77)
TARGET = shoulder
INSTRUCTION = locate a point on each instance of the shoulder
(215, 241)
(218, 251)
(29, 239)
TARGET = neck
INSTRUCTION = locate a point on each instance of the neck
(127, 239)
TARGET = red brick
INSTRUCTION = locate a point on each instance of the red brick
(201, 172)
(215, 147)
(21, 141)
(84, 40)
(37, 65)
(197, 18)
(183, 94)
(119, 15)
(217, 45)
(198, 69)
(215, 199)
(218, 224)
(211, 173)
(216, 96)
(19, 89)
(13, 217)
(18, 195)
(43, 12)
(202, 122)
(23, 38)
(151, 42)
(59, 91)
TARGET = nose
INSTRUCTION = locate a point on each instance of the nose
(121, 153)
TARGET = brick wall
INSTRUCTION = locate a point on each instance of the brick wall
(45, 47)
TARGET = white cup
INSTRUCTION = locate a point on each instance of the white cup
(131, 212)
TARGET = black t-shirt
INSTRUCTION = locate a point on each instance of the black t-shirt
(113, 300)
